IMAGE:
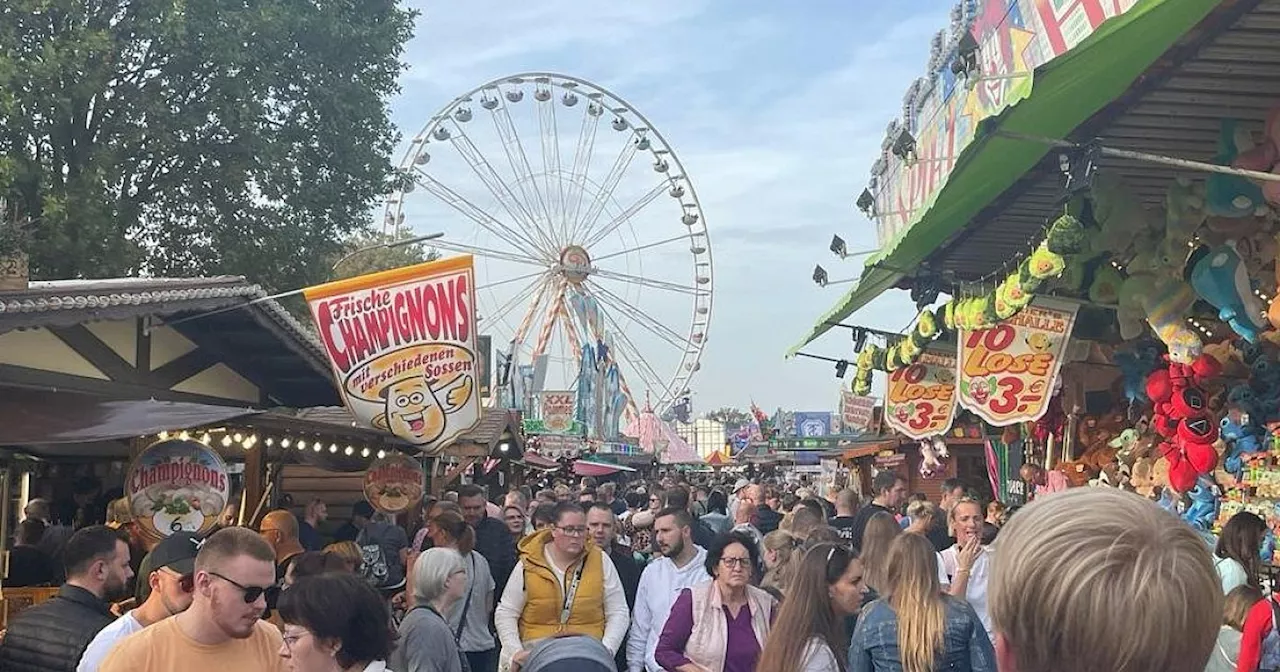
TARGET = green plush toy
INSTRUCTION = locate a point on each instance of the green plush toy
(1044, 263)
(1066, 236)
(1105, 288)
(926, 325)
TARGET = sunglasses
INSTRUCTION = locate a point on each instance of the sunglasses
(252, 593)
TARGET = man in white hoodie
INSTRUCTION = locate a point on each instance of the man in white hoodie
(682, 566)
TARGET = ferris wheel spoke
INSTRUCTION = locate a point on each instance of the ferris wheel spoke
(648, 282)
(623, 217)
(491, 180)
(581, 164)
(643, 318)
(637, 248)
(548, 131)
(475, 213)
(508, 281)
(486, 252)
(514, 149)
(519, 298)
(624, 345)
(619, 168)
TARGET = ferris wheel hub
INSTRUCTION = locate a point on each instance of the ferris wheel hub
(575, 264)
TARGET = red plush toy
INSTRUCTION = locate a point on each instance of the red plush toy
(1181, 416)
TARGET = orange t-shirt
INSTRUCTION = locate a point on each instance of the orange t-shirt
(164, 647)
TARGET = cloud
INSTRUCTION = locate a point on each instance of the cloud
(776, 111)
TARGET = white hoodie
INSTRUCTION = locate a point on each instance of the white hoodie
(660, 584)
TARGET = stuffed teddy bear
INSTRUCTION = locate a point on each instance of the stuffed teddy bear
(1229, 195)
(1220, 277)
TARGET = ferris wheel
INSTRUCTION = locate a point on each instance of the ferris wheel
(587, 232)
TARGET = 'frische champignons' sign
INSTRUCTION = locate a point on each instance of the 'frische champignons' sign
(393, 483)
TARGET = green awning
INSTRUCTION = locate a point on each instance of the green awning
(1065, 92)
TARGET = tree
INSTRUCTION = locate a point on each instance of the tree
(731, 417)
(170, 137)
(366, 258)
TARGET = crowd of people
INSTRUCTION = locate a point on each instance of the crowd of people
(672, 574)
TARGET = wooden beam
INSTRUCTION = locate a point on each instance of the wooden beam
(182, 368)
(255, 480)
(99, 354)
(21, 376)
(438, 485)
(142, 341)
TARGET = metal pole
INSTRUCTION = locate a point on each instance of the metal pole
(387, 245)
(1148, 158)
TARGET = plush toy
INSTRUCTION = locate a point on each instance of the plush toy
(1135, 365)
(1220, 277)
(1203, 509)
(1265, 158)
(1229, 195)
(932, 452)
(1181, 417)
(1242, 438)
(1153, 293)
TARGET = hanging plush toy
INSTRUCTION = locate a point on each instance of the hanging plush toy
(1182, 418)
(1135, 365)
(1265, 158)
(1219, 277)
(1203, 509)
(932, 452)
(1229, 195)
(1242, 437)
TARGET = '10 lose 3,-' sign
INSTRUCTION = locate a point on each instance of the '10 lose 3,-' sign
(1006, 373)
(920, 401)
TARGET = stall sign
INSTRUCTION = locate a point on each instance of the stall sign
(393, 483)
(813, 423)
(889, 460)
(557, 411)
(1006, 373)
(177, 486)
(403, 348)
(920, 400)
(856, 411)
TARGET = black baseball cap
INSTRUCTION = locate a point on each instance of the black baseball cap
(177, 552)
(362, 509)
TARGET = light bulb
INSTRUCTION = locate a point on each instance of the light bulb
(317, 447)
(163, 435)
(204, 438)
(271, 442)
(237, 437)
(284, 443)
(302, 445)
(382, 454)
(364, 453)
(333, 447)
(349, 450)
(226, 441)
(184, 436)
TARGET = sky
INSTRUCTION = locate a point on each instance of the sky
(776, 110)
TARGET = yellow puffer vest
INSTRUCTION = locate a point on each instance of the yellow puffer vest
(544, 596)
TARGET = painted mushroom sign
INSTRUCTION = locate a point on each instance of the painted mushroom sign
(393, 483)
(177, 486)
(403, 348)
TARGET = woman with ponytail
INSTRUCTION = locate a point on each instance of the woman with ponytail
(781, 552)
(916, 627)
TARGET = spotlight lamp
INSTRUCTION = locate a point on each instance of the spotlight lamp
(904, 146)
(842, 366)
(838, 247)
(966, 63)
(867, 202)
(820, 276)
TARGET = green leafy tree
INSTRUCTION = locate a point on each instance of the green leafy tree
(181, 137)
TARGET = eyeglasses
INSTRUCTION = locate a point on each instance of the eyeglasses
(572, 531)
(736, 562)
(252, 593)
(290, 640)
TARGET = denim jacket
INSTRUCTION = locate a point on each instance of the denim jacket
(874, 647)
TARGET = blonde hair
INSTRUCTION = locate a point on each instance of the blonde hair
(784, 544)
(922, 509)
(348, 551)
(877, 539)
(916, 598)
(1064, 559)
(1238, 603)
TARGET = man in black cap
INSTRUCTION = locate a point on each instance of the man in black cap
(168, 572)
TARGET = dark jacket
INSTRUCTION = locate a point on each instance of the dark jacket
(495, 543)
(767, 520)
(629, 574)
(51, 637)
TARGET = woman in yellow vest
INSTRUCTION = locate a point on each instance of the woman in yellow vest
(562, 584)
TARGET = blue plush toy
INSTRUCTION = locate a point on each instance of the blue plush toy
(1230, 195)
(1242, 437)
(1203, 509)
(1221, 278)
